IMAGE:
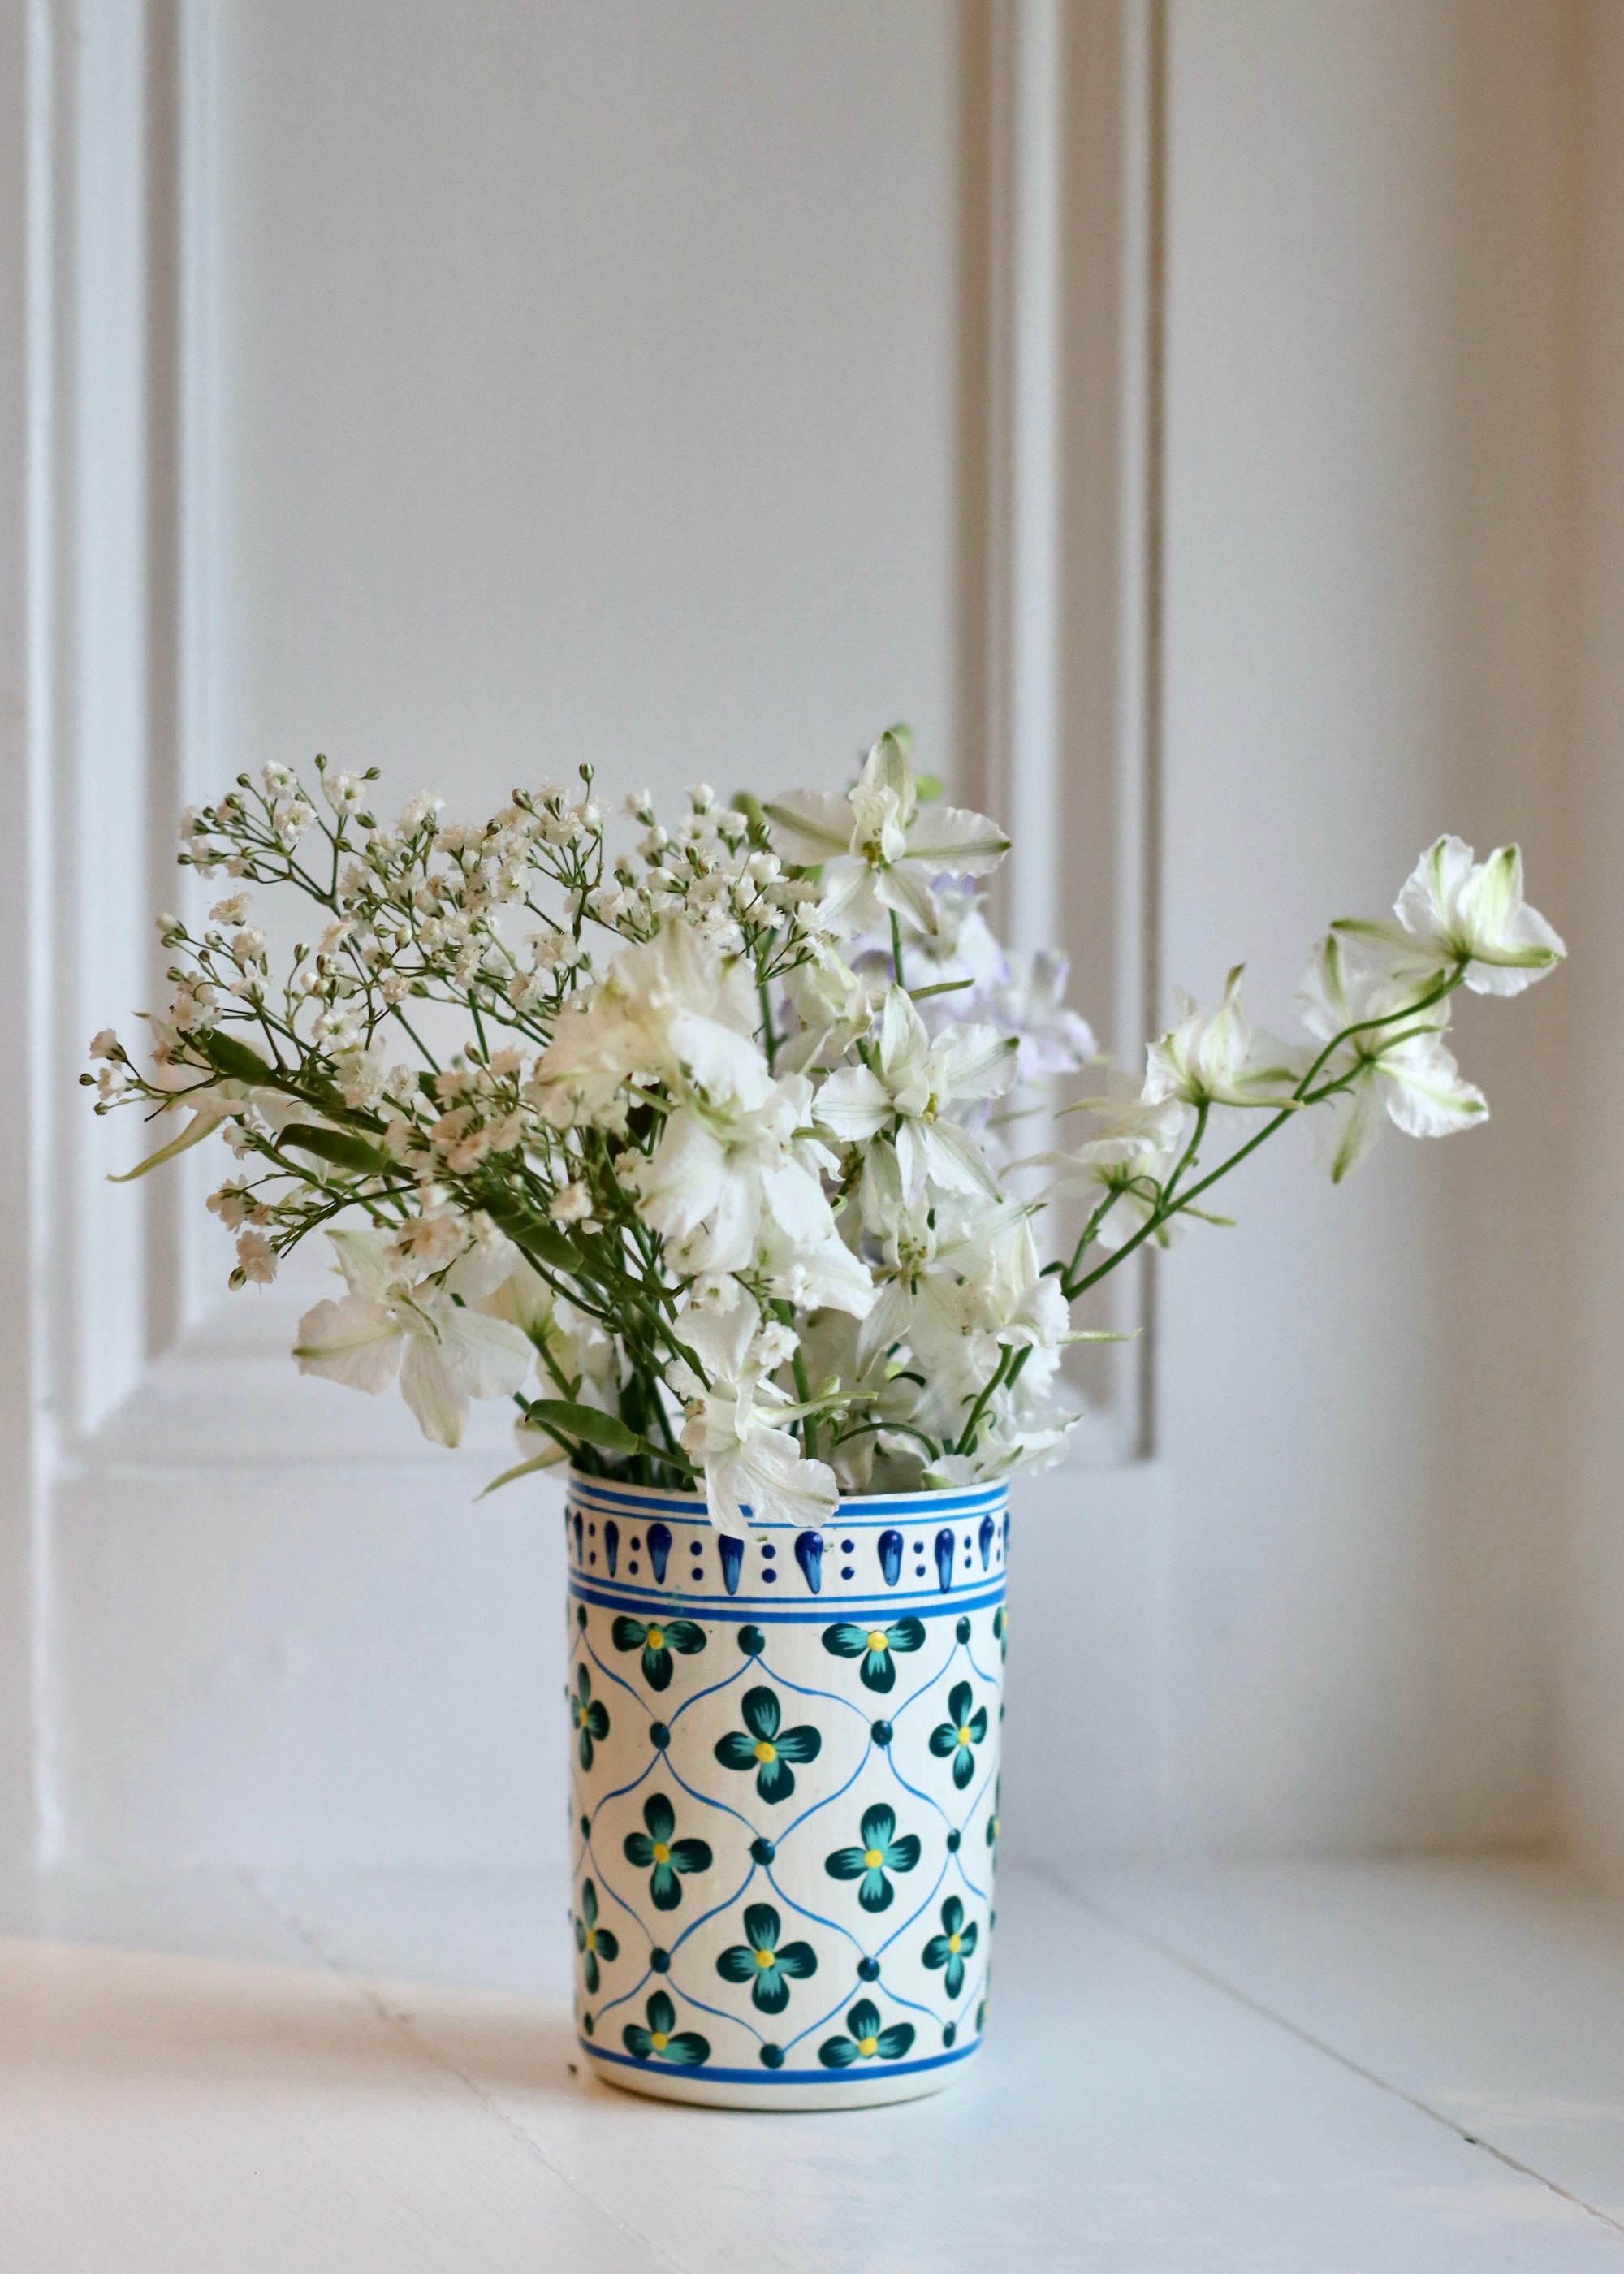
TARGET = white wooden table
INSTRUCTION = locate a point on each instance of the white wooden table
(1352, 2068)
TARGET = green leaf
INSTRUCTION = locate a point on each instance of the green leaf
(201, 1125)
(232, 1058)
(543, 1241)
(941, 987)
(567, 1419)
(550, 1459)
(336, 1146)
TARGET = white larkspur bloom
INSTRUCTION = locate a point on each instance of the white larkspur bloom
(834, 1004)
(1212, 1058)
(1134, 1152)
(879, 846)
(753, 1467)
(673, 1005)
(1404, 1070)
(1455, 909)
(911, 1087)
(729, 1160)
(391, 1323)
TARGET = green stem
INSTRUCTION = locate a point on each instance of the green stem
(896, 948)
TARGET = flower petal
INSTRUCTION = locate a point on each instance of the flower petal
(356, 1342)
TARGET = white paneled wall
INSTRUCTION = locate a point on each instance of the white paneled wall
(1593, 1412)
(1170, 409)
(1367, 226)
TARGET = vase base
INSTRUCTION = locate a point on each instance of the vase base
(827, 2089)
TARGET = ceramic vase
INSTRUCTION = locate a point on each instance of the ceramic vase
(784, 1770)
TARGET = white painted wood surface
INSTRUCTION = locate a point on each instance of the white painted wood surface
(1371, 2069)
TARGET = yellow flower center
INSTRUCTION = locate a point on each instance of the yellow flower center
(764, 1958)
(764, 1752)
(658, 2040)
(662, 1854)
(873, 1858)
(878, 1644)
(954, 1944)
(964, 1737)
(868, 2047)
(592, 1938)
(655, 1639)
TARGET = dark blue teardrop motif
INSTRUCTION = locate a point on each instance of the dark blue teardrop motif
(810, 1555)
(890, 1557)
(985, 1538)
(944, 1558)
(612, 1545)
(659, 1548)
(580, 1549)
(732, 1552)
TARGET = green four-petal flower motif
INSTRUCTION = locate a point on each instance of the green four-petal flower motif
(949, 1949)
(992, 1821)
(656, 1852)
(657, 1640)
(876, 1646)
(766, 1965)
(589, 1714)
(881, 1852)
(960, 1732)
(867, 2041)
(766, 1748)
(662, 2040)
(594, 1942)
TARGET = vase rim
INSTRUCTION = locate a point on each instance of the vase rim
(851, 1507)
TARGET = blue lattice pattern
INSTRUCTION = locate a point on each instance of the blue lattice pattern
(785, 1764)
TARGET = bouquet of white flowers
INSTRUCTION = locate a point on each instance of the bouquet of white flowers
(734, 1198)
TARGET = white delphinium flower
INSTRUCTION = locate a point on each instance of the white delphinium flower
(392, 1321)
(911, 1085)
(980, 1294)
(1212, 1058)
(834, 1003)
(814, 1275)
(1455, 909)
(1134, 1150)
(732, 1156)
(879, 846)
(1403, 1070)
(753, 1467)
(672, 1005)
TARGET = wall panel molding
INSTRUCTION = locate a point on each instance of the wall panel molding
(143, 1449)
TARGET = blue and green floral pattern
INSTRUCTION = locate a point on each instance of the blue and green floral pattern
(763, 1746)
(656, 1639)
(654, 1851)
(784, 1763)
(592, 1941)
(880, 1851)
(866, 2040)
(876, 1648)
(589, 1716)
(949, 1950)
(662, 2040)
(960, 1732)
(767, 1964)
